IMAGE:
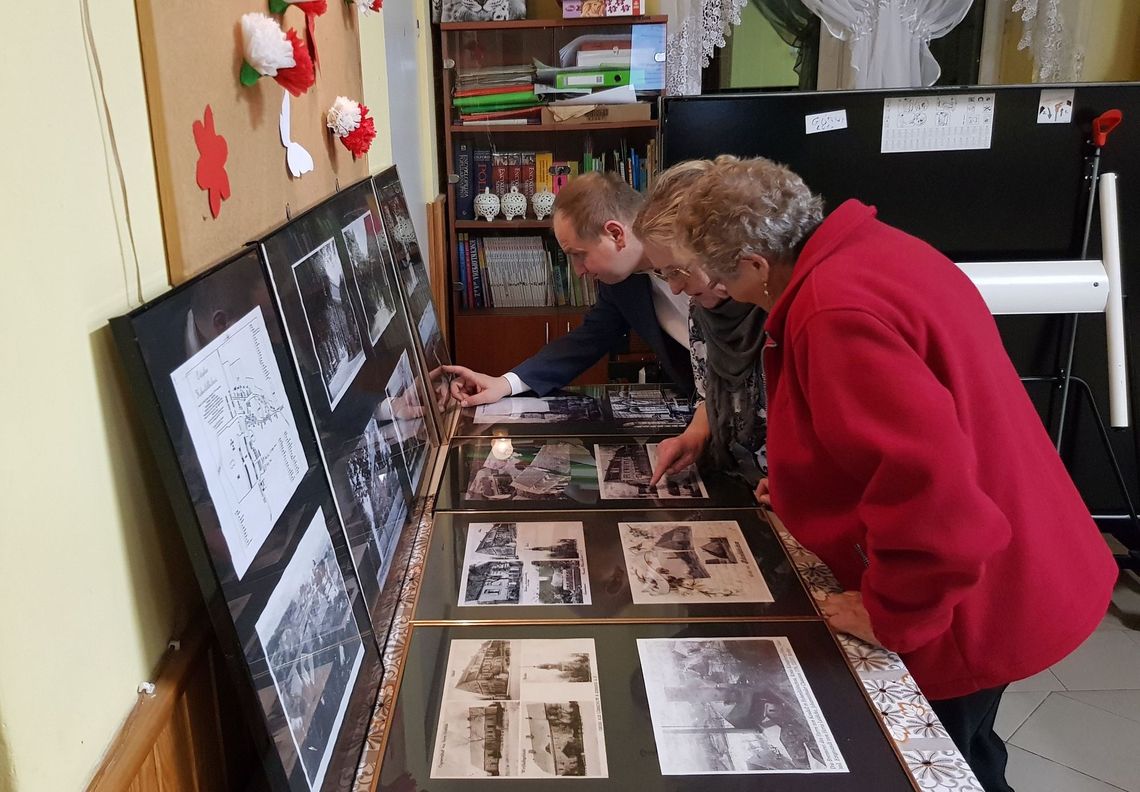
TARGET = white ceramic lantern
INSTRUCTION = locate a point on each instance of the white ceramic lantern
(543, 203)
(514, 204)
(487, 204)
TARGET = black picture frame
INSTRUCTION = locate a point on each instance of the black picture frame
(333, 274)
(217, 391)
(608, 569)
(561, 473)
(619, 409)
(632, 754)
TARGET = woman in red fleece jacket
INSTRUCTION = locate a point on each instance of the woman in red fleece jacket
(903, 449)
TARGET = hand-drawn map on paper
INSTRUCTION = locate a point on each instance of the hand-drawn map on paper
(243, 432)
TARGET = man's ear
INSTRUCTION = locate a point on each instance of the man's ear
(615, 231)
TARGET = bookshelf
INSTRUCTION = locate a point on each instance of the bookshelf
(492, 331)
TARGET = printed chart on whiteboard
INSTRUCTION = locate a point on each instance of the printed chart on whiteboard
(937, 123)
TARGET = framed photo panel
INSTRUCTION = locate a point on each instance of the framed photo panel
(335, 280)
(215, 382)
(597, 565)
(412, 274)
(707, 707)
(585, 409)
(588, 472)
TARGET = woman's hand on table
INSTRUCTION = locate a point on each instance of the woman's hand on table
(845, 613)
(677, 453)
(762, 492)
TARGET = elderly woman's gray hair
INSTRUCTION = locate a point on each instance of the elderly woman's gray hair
(742, 206)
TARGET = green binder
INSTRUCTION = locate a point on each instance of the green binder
(592, 78)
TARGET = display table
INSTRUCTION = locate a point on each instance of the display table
(872, 727)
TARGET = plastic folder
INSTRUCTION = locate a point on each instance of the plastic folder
(593, 78)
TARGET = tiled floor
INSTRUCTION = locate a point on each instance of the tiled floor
(1076, 727)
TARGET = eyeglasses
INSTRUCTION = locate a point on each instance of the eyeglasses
(673, 273)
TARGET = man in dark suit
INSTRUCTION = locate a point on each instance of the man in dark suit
(593, 221)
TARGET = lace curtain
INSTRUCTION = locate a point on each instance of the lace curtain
(1048, 32)
(696, 29)
(890, 39)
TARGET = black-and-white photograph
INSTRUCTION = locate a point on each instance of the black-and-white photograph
(691, 562)
(372, 483)
(525, 563)
(377, 299)
(648, 408)
(534, 409)
(521, 708)
(521, 470)
(408, 417)
(734, 705)
(312, 646)
(625, 470)
(401, 233)
(333, 331)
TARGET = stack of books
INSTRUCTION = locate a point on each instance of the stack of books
(518, 272)
(496, 95)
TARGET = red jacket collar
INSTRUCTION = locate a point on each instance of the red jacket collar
(835, 228)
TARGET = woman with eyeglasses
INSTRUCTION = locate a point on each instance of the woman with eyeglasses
(725, 338)
(903, 449)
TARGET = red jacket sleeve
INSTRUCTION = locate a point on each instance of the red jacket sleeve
(885, 418)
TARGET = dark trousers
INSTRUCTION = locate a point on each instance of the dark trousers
(970, 722)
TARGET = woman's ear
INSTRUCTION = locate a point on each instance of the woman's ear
(754, 263)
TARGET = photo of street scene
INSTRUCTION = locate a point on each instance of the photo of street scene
(533, 409)
(527, 563)
(624, 471)
(407, 412)
(313, 647)
(697, 561)
(372, 485)
(531, 470)
(520, 708)
(377, 300)
(333, 332)
(648, 408)
(734, 705)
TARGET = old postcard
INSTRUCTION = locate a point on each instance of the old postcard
(521, 708)
(532, 409)
(690, 562)
(532, 471)
(624, 471)
(734, 705)
(527, 563)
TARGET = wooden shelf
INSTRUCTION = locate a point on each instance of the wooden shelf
(538, 24)
(539, 310)
(568, 126)
(499, 225)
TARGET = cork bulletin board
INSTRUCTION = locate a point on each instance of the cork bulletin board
(192, 55)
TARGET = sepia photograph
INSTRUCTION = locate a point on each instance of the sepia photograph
(624, 471)
(372, 483)
(521, 708)
(313, 647)
(408, 417)
(526, 563)
(401, 233)
(648, 408)
(533, 409)
(332, 326)
(377, 300)
(691, 562)
(534, 470)
(734, 705)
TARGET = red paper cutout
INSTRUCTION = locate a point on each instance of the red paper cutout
(359, 140)
(313, 39)
(212, 152)
(299, 78)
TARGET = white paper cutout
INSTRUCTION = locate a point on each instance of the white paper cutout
(298, 160)
(825, 122)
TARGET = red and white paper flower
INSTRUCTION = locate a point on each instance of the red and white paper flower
(271, 52)
(310, 7)
(367, 6)
(349, 121)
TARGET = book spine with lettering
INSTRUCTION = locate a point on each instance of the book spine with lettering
(461, 260)
(543, 180)
(476, 275)
(528, 176)
(464, 188)
(514, 171)
(482, 167)
(500, 173)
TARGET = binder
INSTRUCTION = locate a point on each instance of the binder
(592, 78)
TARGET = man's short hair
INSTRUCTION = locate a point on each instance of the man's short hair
(591, 200)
